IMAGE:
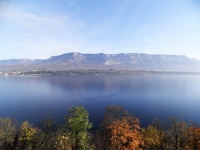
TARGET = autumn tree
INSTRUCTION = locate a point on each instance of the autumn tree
(103, 136)
(177, 133)
(63, 141)
(151, 138)
(29, 136)
(162, 131)
(125, 133)
(78, 125)
(118, 130)
(193, 137)
(8, 133)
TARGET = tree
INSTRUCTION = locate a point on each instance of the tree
(161, 129)
(8, 132)
(111, 114)
(29, 136)
(78, 124)
(193, 137)
(63, 142)
(119, 130)
(48, 138)
(125, 133)
(177, 133)
(103, 136)
(151, 138)
(47, 125)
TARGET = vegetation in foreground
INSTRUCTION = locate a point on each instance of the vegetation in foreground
(119, 131)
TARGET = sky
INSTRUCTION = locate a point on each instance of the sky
(39, 29)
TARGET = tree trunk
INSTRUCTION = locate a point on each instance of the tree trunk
(76, 140)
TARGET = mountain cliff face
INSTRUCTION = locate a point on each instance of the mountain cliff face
(129, 61)
(124, 61)
(116, 59)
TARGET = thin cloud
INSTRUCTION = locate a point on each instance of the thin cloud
(29, 33)
(30, 20)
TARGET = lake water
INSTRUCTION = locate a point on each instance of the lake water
(32, 98)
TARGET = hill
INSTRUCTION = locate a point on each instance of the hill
(101, 61)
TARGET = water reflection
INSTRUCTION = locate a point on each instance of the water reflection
(33, 98)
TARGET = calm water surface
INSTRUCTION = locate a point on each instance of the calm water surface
(32, 98)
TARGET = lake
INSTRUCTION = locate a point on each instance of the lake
(33, 98)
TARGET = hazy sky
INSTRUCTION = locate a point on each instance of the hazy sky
(42, 28)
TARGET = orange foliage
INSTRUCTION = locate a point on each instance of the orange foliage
(125, 133)
(194, 138)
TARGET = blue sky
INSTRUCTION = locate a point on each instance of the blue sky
(42, 28)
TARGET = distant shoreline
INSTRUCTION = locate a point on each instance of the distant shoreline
(95, 72)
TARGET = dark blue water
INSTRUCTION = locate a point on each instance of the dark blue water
(32, 98)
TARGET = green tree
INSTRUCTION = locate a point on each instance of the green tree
(78, 124)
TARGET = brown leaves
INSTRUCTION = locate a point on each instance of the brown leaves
(125, 134)
(193, 138)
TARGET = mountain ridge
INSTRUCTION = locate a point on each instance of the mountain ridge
(121, 61)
